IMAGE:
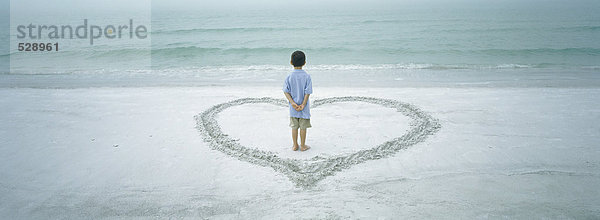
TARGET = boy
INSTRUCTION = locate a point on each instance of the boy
(297, 88)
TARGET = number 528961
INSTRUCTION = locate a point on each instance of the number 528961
(38, 47)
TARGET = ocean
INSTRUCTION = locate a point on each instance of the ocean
(413, 44)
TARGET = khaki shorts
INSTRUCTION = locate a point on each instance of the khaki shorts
(301, 123)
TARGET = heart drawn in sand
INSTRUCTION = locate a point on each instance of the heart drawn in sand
(306, 173)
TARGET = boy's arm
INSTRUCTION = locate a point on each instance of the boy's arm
(289, 98)
(307, 92)
(300, 107)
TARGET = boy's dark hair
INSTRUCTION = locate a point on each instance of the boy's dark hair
(298, 58)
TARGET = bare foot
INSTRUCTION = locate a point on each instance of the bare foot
(304, 148)
(295, 148)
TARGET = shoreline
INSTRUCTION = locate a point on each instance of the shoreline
(372, 79)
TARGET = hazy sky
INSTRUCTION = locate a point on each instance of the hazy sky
(101, 5)
(85, 5)
(59, 5)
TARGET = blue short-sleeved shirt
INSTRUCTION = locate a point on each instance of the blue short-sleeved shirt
(298, 84)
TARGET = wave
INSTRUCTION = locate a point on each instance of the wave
(422, 66)
(542, 51)
(591, 67)
(225, 30)
(350, 67)
(269, 69)
(483, 30)
(382, 21)
(488, 30)
(505, 52)
(194, 50)
(325, 52)
(580, 28)
(394, 21)
(181, 51)
(215, 59)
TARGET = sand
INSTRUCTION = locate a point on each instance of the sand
(137, 153)
(306, 173)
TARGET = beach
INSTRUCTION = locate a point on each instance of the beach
(174, 109)
(136, 152)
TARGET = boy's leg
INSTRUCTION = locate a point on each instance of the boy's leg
(303, 140)
(295, 138)
(304, 124)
